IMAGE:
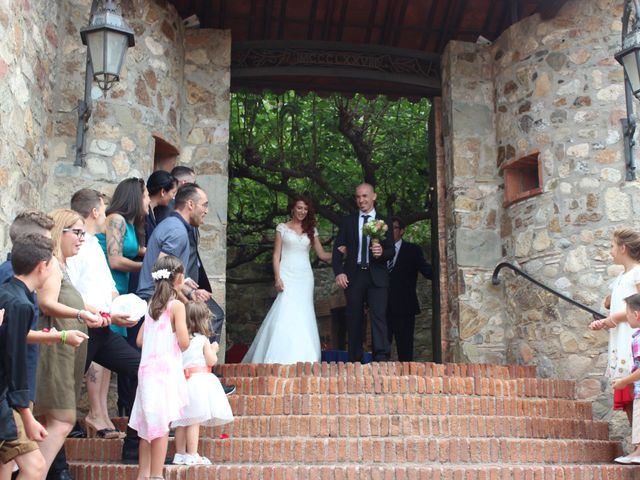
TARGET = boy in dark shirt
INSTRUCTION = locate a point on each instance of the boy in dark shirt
(19, 430)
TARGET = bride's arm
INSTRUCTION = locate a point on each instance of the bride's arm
(277, 251)
(317, 247)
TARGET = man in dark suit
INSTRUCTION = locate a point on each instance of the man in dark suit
(403, 306)
(364, 276)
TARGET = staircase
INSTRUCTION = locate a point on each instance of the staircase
(390, 421)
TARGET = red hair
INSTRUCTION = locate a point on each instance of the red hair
(309, 222)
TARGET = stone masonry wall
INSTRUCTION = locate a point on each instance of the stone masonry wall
(473, 206)
(27, 70)
(145, 102)
(556, 88)
(204, 131)
(174, 85)
(561, 92)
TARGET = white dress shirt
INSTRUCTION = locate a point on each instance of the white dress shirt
(372, 216)
(90, 274)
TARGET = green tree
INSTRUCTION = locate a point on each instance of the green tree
(281, 144)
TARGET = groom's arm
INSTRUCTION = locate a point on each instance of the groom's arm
(388, 245)
(337, 259)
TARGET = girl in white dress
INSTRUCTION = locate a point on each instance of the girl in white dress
(208, 404)
(625, 250)
(289, 333)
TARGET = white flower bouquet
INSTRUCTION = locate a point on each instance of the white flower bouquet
(376, 230)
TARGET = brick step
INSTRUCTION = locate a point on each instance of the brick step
(404, 425)
(367, 451)
(409, 425)
(93, 471)
(351, 370)
(328, 404)
(408, 384)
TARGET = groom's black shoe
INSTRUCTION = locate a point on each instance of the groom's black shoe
(229, 389)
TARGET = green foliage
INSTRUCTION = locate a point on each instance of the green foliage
(285, 143)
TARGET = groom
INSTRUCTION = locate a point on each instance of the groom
(364, 276)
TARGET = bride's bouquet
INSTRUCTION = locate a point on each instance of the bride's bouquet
(376, 230)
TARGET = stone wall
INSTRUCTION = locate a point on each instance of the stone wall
(174, 86)
(473, 207)
(553, 86)
(28, 55)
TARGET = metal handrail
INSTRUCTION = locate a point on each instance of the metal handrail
(496, 281)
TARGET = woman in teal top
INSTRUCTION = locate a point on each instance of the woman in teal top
(124, 237)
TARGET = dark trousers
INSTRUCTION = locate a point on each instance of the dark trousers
(402, 327)
(113, 352)
(127, 382)
(59, 464)
(361, 289)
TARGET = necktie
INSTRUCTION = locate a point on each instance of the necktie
(391, 263)
(363, 244)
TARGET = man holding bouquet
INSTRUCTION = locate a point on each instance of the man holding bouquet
(363, 273)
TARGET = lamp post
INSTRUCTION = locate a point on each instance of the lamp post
(107, 38)
(629, 58)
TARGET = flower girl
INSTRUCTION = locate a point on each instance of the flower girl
(162, 388)
(208, 404)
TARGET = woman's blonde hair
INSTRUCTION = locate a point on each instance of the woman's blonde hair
(629, 238)
(165, 290)
(198, 318)
(62, 218)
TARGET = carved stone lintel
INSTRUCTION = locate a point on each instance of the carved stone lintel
(415, 72)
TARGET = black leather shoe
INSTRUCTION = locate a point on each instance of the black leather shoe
(77, 432)
(229, 389)
(61, 475)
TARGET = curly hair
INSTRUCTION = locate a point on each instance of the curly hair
(309, 222)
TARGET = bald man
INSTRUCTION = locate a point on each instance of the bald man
(363, 275)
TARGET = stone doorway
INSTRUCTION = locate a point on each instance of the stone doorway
(249, 287)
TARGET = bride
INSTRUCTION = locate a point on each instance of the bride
(289, 333)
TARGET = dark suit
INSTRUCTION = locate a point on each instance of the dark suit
(403, 306)
(368, 284)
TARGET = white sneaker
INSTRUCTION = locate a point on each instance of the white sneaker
(191, 459)
(196, 459)
(180, 459)
(624, 460)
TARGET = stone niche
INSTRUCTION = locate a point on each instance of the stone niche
(522, 178)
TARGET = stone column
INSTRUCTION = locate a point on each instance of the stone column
(476, 329)
(205, 138)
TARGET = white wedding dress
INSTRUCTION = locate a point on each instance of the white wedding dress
(289, 332)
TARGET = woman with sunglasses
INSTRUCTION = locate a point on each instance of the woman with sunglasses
(61, 367)
(123, 239)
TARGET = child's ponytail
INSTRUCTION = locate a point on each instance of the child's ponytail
(630, 239)
(164, 274)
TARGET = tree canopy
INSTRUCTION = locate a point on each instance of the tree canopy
(282, 144)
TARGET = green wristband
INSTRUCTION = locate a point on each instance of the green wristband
(63, 337)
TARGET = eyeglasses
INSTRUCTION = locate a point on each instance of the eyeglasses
(77, 231)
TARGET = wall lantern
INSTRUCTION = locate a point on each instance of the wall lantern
(107, 37)
(629, 58)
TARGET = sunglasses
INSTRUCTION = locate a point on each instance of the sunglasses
(77, 231)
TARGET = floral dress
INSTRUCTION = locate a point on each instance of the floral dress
(162, 387)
